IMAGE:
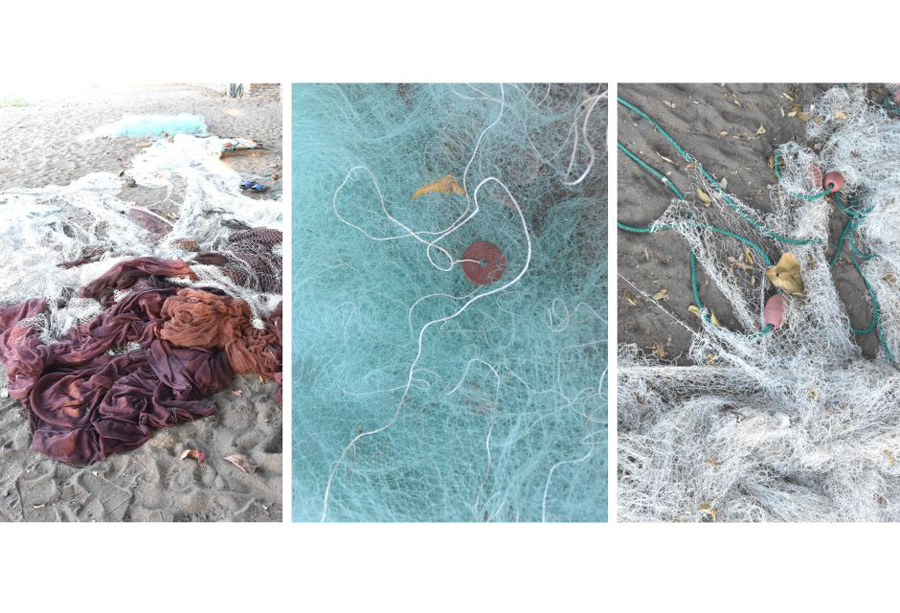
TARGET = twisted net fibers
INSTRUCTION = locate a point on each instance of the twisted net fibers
(56, 239)
(794, 424)
(419, 395)
(125, 318)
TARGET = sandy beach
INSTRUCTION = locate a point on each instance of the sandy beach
(719, 125)
(42, 146)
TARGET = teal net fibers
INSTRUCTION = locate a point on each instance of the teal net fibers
(143, 126)
(419, 395)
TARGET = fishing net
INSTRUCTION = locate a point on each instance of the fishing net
(789, 423)
(431, 385)
(152, 125)
(178, 201)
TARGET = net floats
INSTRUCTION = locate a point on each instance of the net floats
(486, 263)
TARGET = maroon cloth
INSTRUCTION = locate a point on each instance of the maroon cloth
(84, 403)
(124, 275)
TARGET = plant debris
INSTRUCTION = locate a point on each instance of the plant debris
(445, 185)
(785, 275)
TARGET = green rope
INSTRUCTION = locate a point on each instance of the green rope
(651, 171)
(695, 287)
(712, 181)
(809, 197)
(855, 215)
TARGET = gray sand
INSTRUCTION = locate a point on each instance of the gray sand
(695, 115)
(41, 147)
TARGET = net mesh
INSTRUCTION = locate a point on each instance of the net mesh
(420, 396)
(183, 202)
(792, 425)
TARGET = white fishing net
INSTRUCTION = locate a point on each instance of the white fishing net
(178, 199)
(795, 424)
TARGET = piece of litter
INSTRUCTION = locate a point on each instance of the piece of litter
(243, 462)
(195, 454)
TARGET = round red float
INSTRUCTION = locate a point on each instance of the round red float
(488, 265)
(774, 310)
(833, 182)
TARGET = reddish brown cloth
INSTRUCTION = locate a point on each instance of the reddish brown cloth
(122, 276)
(85, 399)
(196, 318)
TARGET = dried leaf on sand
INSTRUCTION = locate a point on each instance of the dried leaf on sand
(243, 462)
(629, 299)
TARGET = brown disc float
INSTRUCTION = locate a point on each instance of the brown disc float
(489, 263)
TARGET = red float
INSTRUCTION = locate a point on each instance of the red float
(774, 310)
(488, 265)
(833, 182)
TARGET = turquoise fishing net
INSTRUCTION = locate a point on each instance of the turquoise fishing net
(417, 394)
(143, 126)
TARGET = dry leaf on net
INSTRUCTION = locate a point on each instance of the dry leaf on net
(712, 315)
(785, 275)
(445, 185)
(657, 349)
(704, 198)
(709, 510)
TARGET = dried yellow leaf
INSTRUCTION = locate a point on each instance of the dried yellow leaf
(771, 162)
(662, 294)
(445, 185)
(704, 198)
(714, 319)
(788, 96)
(658, 350)
(629, 299)
(747, 255)
(785, 275)
(665, 159)
(723, 133)
(709, 510)
(841, 115)
(693, 309)
(760, 130)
